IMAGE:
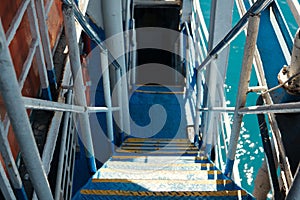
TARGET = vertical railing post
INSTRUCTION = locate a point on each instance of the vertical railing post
(39, 54)
(119, 101)
(113, 25)
(252, 33)
(198, 104)
(61, 162)
(80, 98)
(181, 55)
(133, 54)
(187, 62)
(14, 105)
(43, 28)
(107, 95)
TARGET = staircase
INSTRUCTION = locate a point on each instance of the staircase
(159, 169)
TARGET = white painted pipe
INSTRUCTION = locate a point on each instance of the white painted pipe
(34, 28)
(119, 101)
(198, 103)
(79, 98)
(107, 94)
(113, 25)
(295, 59)
(39, 104)
(10, 163)
(133, 53)
(242, 90)
(40, 9)
(11, 94)
(61, 163)
(5, 187)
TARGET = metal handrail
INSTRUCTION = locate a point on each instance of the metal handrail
(255, 9)
(271, 114)
(91, 33)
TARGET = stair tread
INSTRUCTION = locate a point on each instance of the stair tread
(158, 140)
(162, 185)
(148, 168)
(159, 164)
(156, 194)
(216, 181)
(157, 174)
(158, 148)
(165, 166)
(161, 158)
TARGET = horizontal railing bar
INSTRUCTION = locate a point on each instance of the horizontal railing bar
(272, 108)
(264, 109)
(258, 89)
(99, 109)
(38, 104)
(218, 109)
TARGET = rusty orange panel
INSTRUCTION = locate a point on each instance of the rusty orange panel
(55, 21)
(19, 49)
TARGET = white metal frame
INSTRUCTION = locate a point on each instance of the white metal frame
(11, 94)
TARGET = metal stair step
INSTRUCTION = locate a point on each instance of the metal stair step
(158, 140)
(123, 194)
(167, 158)
(158, 152)
(166, 185)
(157, 148)
(164, 166)
(158, 144)
(144, 168)
(158, 174)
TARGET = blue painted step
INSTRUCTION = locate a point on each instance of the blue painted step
(158, 112)
(168, 185)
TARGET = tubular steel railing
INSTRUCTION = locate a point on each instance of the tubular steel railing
(240, 109)
(38, 167)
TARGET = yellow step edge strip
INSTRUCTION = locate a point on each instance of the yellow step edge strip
(159, 148)
(199, 182)
(156, 152)
(156, 140)
(209, 172)
(157, 144)
(158, 193)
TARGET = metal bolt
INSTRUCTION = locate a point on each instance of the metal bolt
(26, 177)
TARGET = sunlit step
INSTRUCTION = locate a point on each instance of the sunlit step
(158, 174)
(167, 185)
(160, 158)
(125, 194)
(159, 166)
